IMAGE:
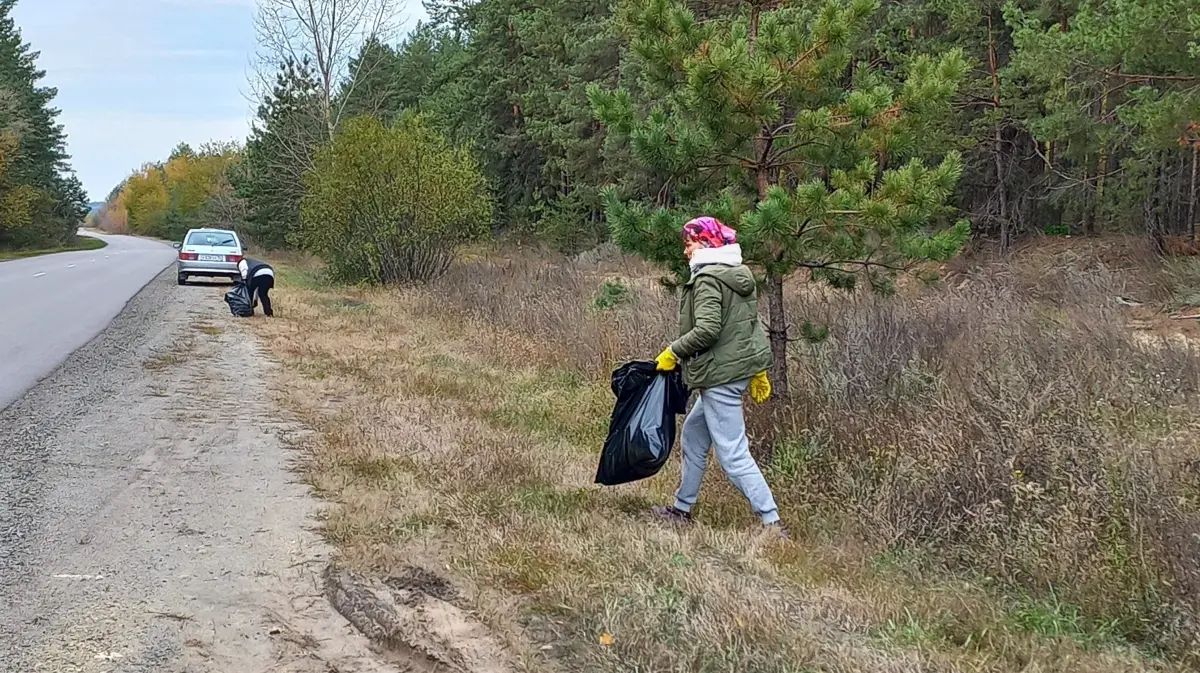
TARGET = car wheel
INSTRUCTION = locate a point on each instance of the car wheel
(182, 279)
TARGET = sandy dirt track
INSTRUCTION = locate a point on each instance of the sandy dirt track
(148, 517)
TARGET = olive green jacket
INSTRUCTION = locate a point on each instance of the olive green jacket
(721, 339)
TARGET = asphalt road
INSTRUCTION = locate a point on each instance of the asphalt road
(54, 304)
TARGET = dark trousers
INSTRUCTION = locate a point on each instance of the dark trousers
(260, 286)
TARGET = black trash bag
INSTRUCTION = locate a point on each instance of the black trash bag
(240, 300)
(642, 429)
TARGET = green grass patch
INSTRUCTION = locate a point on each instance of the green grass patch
(793, 455)
(290, 272)
(612, 294)
(913, 631)
(82, 243)
(377, 470)
(558, 502)
(346, 530)
(556, 405)
(348, 304)
(1051, 619)
(519, 566)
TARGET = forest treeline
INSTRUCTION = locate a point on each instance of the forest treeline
(846, 139)
(42, 203)
(1056, 116)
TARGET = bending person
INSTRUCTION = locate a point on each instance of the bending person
(261, 278)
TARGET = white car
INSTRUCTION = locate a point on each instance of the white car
(209, 253)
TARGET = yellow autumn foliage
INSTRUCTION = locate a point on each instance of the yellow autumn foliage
(17, 202)
(167, 199)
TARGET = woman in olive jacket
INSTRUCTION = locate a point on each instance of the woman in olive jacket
(724, 353)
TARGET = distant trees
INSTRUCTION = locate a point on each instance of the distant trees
(1117, 116)
(41, 201)
(17, 201)
(509, 79)
(166, 199)
(1069, 117)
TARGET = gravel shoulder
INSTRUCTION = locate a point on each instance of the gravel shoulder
(149, 520)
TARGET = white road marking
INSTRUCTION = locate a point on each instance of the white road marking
(79, 577)
(39, 275)
(70, 266)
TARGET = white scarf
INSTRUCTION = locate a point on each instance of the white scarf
(726, 255)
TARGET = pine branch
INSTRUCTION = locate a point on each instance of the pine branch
(1116, 72)
(863, 264)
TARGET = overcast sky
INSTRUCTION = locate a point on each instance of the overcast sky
(137, 77)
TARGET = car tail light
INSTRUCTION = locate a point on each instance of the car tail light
(188, 256)
(233, 258)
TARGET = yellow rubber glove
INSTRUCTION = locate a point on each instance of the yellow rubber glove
(760, 388)
(666, 361)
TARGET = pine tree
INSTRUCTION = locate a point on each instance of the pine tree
(387, 81)
(283, 140)
(417, 61)
(764, 118)
(1118, 94)
(1001, 166)
(493, 119)
(566, 46)
(509, 78)
(182, 150)
(372, 85)
(36, 171)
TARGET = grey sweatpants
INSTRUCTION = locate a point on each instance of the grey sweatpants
(716, 421)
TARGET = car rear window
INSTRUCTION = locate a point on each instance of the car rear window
(214, 239)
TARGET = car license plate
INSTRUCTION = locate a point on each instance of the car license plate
(212, 258)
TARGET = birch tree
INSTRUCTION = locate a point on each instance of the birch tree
(326, 35)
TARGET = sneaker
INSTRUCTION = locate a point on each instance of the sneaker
(672, 514)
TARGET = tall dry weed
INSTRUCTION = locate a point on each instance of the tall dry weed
(1010, 428)
(552, 302)
(1041, 444)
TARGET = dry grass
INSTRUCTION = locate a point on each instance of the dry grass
(991, 477)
